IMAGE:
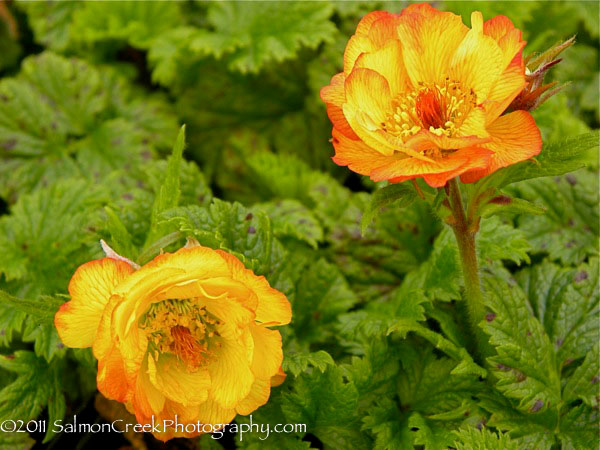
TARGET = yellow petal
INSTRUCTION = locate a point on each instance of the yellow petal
(477, 62)
(428, 44)
(268, 354)
(258, 396)
(147, 400)
(387, 62)
(230, 372)
(90, 289)
(273, 307)
(171, 377)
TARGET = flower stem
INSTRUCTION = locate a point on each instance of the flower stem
(465, 233)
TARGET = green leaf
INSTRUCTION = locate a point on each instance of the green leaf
(525, 364)
(327, 405)
(470, 438)
(35, 320)
(231, 227)
(137, 23)
(51, 22)
(250, 37)
(568, 304)
(63, 118)
(428, 433)
(16, 441)
(556, 158)
(583, 384)
(569, 229)
(292, 219)
(504, 204)
(47, 236)
(296, 363)
(579, 428)
(432, 386)
(398, 195)
(168, 195)
(37, 384)
(322, 294)
(389, 426)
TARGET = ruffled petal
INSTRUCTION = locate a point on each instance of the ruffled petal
(90, 289)
(334, 95)
(387, 62)
(357, 155)
(268, 353)
(258, 396)
(429, 40)
(477, 62)
(230, 371)
(437, 172)
(515, 138)
(112, 380)
(147, 400)
(273, 307)
(178, 384)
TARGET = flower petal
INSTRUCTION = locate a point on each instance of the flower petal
(230, 372)
(446, 167)
(477, 63)
(357, 155)
(387, 62)
(112, 380)
(334, 95)
(90, 289)
(147, 400)
(268, 353)
(258, 396)
(428, 42)
(515, 138)
(172, 378)
(273, 307)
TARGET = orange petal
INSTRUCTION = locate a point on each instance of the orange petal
(369, 92)
(90, 289)
(509, 38)
(278, 378)
(438, 171)
(365, 24)
(334, 95)
(477, 63)
(515, 138)
(273, 307)
(357, 155)
(268, 354)
(357, 45)
(112, 380)
(429, 40)
(258, 396)
(387, 62)
(505, 90)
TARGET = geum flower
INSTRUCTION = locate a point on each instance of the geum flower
(423, 96)
(186, 335)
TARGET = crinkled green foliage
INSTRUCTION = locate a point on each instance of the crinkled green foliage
(378, 354)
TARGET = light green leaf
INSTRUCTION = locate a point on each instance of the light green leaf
(250, 37)
(525, 364)
(470, 438)
(583, 384)
(296, 363)
(290, 218)
(579, 428)
(37, 385)
(389, 426)
(168, 195)
(429, 434)
(569, 229)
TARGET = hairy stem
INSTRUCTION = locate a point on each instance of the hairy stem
(465, 233)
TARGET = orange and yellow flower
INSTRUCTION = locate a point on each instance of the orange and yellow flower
(186, 335)
(424, 96)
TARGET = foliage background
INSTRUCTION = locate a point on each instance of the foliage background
(91, 98)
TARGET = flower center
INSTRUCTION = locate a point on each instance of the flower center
(440, 109)
(181, 327)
